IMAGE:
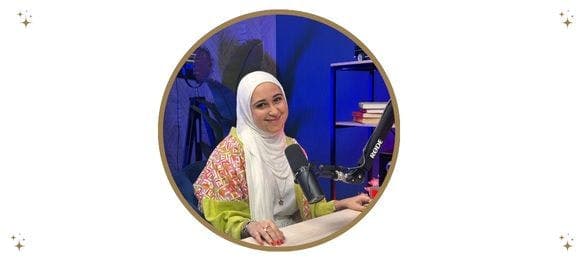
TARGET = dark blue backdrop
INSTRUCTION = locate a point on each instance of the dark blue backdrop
(305, 50)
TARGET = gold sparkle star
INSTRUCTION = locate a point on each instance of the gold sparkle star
(26, 22)
(567, 22)
(19, 14)
(561, 237)
(567, 246)
(561, 13)
(13, 237)
(19, 246)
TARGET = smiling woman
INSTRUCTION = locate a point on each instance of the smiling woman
(247, 187)
(240, 97)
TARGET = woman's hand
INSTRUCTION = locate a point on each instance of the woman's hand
(356, 203)
(265, 231)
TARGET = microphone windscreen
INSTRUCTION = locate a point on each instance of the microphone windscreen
(302, 175)
(295, 157)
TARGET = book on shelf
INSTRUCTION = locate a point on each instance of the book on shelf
(372, 105)
(372, 111)
(366, 114)
(362, 120)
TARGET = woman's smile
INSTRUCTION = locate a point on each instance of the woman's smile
(273, 119)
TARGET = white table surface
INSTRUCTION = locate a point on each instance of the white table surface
(314, 229)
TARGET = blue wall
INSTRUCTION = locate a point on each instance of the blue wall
(305, 49)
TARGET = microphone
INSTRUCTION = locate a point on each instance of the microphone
(374, 143)
(302, 174)
(357, 175)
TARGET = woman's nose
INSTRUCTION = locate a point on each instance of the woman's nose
(273, 110)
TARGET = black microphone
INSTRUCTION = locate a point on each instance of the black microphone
(357, 175)
(374, 143)
(302, 174)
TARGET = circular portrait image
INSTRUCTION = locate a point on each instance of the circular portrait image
(278, 130)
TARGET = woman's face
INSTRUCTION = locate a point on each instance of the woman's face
(269, 108)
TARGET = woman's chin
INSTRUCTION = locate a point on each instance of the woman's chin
(274, 128)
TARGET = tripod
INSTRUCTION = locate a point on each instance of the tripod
(194, 132)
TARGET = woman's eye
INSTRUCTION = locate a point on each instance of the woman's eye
(261, 105)
(277, 99)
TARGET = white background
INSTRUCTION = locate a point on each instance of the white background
(489, 166)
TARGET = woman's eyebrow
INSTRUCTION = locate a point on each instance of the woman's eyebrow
(278, 94)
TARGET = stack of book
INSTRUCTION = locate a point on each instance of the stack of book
(369, 112)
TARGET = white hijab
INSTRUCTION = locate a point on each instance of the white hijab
(264, 151)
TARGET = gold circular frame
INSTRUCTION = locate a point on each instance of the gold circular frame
(240, 19)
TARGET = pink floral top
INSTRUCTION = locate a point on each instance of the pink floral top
(223, 177)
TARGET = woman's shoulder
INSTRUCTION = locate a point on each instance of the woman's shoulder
(290, 141)
(231, 142)
(230, 146)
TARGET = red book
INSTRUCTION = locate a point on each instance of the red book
(372, 111)
(366, 114)
(373, 121)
